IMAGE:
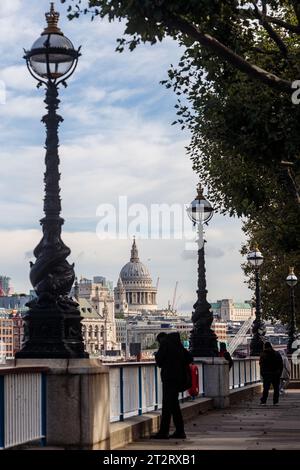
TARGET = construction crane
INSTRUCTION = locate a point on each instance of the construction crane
(174, 296)
(177, 301)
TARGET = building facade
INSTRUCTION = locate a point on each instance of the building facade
(228, 310)
(134, 292)
(6, 335)
(121, 331)
(4, 285)
(98, 317)
(18, 330)
(220, 328)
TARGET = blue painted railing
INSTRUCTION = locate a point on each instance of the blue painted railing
(22, 406)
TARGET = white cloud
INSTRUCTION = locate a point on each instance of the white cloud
(17, 77)
(9, 7)
(22, 107)
(97, 257)
(116, 140)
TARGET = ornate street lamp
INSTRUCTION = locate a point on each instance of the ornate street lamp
(255, 258)
(203, 340)
(52, 324)
(291, 281)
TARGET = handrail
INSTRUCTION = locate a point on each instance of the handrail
(23, 370)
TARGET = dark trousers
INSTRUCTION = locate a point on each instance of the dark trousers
(269, 380)
(170, 408)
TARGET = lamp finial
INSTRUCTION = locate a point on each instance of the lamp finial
(52, 18)
(200, 195)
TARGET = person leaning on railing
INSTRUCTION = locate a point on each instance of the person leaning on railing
(224, 353)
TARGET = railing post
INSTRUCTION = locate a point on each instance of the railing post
(121, 395)
(239, 373)
(156, 387)
(233, 376)
(250, 363)
(44, 409)
(245, 372)
(140, 391)
(2, 416)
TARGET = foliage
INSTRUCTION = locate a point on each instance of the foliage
(278, 257)
(233, 84)
(228, 28)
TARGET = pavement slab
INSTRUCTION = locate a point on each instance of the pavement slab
(243, 426)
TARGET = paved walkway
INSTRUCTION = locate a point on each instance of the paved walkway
(246, 425)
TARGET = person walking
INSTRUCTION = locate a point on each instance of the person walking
(224, 353)
(271, 366)
(286, 373)
(173, 359)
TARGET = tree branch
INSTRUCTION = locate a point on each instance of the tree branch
(296, 7)
(271, 32)
(292, 28)
(284, 24)
(259, 50)
(290, 180)
(229, 55)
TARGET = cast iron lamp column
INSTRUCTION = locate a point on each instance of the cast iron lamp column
(52, 326)
(291, 281)
(203, 340)
(255, 258)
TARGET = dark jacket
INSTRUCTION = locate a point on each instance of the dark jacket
(224, 353)
(271, 363)
(173, 359)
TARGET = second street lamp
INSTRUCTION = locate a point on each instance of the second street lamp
(255, 258)
(52, 326)
(291, 281)
(203, 340)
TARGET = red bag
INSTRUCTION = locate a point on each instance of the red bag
(194, 390)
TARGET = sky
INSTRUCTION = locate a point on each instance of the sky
(116, 141)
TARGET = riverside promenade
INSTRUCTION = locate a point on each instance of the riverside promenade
(244, 426)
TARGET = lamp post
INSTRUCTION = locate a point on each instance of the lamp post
(52, 326)
(203, 340)
(291, 281)
(255, 258)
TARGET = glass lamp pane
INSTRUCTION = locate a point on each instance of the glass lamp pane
(54, 40)
(200, 211)
(60, 62)
(255, 258)
(259, 261)
(57, 68)
(291, 280)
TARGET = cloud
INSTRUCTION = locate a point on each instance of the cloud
(214, 252)
(16, 77)
(116, 140)
(189, 254)
(29, 254)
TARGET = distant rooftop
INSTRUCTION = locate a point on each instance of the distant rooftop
(238, 305)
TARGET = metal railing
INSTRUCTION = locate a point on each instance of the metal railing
(295, 370)
(22, 406)
(244, 372)
(136, 388)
